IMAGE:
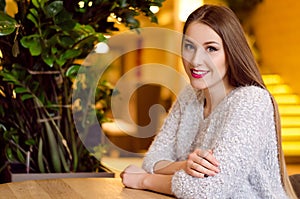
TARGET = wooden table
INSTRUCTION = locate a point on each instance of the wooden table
(104, 188)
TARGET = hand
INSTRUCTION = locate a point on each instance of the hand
(202, 163)
(133, 177)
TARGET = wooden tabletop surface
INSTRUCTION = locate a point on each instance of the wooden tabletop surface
(104, 188)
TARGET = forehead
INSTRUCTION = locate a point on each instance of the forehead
(200, 32)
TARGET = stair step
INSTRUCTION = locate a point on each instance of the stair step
(279, 89)
(287, 99)
(270, 79)
(290, 134)
(290, 121)
(287, 109)
(291, 148)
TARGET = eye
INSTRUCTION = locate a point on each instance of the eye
(211, 49)
(189, 47)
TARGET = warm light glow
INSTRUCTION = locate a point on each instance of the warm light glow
(272, 79)
(101, 48)
(81, 4)
(154, 9)
(287, 99)
(186, 7)
(279, 89)
(291, 148)
(289, 109)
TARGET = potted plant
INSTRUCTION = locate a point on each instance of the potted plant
(39, 49)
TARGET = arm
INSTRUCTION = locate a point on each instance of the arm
(237, 149)
(200, 163)
(163, 146)
(163, 156)
(137, 178)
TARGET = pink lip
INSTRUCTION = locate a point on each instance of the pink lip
(195, 75)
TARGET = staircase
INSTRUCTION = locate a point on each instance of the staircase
(289, 109)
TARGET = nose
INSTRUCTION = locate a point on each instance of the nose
(198, 58)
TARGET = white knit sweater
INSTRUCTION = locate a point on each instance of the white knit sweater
(241, 132)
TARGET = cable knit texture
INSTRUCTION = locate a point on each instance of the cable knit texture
(241, 132)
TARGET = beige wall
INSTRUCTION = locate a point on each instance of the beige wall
(276, 26)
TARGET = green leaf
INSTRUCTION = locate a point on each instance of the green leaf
(34, 12)
(67, 25)
(2, 127)
(154, 19)
(21, 90)
(40, 156)
(32, 19)
(20, 156)
(54, 8)
(71, 53)
(54, 50)
(7, 24)
(9, 77)
(72, 70)
(66, 41)
(9, 154)
(100, 37)
(33, 43)
(48, 59)
(132, 22)
(30, 142)
(60, 61)
(26, 96)
(62, 16)
(36, 3)
(63, 159)
(53, 147)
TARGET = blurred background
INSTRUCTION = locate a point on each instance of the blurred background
(272, 28)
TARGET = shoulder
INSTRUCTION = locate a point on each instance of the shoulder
(251, 94)
(250, 101)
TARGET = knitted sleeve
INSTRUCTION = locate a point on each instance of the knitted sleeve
(163, 146)
(243, 134)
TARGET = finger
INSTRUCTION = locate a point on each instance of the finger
(203, 167)
(208, 155)
(197, 174)
(205, 162)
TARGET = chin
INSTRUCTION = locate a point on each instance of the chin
(199, 86)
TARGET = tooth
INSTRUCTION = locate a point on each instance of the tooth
(199, 72)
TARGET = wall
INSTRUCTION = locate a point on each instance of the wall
(276, 25)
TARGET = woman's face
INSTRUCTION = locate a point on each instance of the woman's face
(204, 57)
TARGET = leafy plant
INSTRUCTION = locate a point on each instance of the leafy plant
(39, 51)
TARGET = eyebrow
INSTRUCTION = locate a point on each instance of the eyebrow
(206, 43)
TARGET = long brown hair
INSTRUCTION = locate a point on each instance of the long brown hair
(242, 67)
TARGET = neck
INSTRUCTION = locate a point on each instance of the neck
(214, 95)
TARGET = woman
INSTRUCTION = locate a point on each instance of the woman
(221, 139)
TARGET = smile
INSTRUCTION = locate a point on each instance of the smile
(198, 73)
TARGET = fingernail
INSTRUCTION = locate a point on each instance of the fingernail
(205, 175)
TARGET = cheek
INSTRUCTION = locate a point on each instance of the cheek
(221, 65)
(185, 63)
